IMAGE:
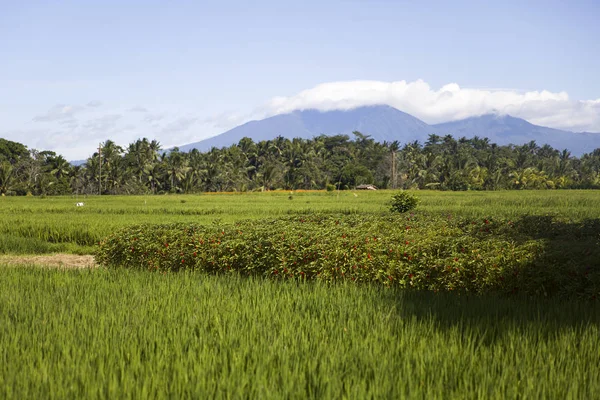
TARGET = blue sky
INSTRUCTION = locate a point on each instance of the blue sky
(73, 73)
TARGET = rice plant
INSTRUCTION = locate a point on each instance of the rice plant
(133, 334)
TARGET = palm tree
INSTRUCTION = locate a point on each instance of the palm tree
(153, 173)
(110, 168)
(177, 168)
(60, 167)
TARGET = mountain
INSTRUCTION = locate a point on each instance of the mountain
(504, 129)
(383, 123)
(77, 163)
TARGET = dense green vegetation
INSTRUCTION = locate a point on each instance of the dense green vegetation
(532, 255)
(323, 162)
(132, 334)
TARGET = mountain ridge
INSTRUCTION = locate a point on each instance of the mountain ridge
(386, 123)
(380, 122)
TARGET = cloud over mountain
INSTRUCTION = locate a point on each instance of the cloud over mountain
(69, 126)
(448, 103)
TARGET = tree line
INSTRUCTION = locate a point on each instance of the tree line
(324, 162)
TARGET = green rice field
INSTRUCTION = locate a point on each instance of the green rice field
(54, 224)
(132, 333)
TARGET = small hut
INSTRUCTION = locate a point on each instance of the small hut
(366, 187)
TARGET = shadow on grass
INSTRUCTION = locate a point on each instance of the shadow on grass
(494, 315)
(568, 262)
(559, 289)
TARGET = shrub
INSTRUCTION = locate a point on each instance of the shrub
(414, 252)
(403, 202)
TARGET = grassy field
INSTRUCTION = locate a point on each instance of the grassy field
(122, 333)
(132, 334)
(43, 225)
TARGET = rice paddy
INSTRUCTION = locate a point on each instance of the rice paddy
(122, 333)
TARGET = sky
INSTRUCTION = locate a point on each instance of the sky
(76, 73)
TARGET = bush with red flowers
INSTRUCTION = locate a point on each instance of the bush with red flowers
(533, 255)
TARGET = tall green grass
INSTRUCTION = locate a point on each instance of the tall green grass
(131, 334)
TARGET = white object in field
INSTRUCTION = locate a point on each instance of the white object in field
(79, 204)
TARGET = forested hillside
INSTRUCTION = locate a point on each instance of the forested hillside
(324, 162)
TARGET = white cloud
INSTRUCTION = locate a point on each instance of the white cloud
(68, 129)
(102, 125)
(178, 126)
(227, 120)
(69, 123)
(153, 118)
(61, 112)
(448, 103)
(138, 109)
(58, 112)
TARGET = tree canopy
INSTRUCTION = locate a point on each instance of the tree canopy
(442, 163)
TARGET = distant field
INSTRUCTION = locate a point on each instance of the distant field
(54, 224)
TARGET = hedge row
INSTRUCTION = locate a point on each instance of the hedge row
(534, 255)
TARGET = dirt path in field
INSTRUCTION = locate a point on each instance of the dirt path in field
(50, 260)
